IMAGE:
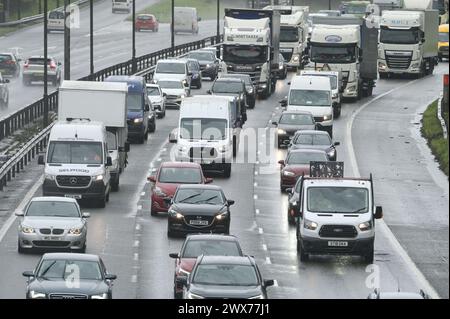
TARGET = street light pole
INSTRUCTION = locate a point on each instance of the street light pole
(45, 66)
(66, 40)
(133, 54)
(91, 27)
(218, 22)
(172, 28)
(329, 4)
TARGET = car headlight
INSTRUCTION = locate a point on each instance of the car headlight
(335, 95)
(183, 96)
(257, 297)
(365, 226)
(331, 152)
(382, 65)
(50, 177)
(264, 85)
(98, 177)
(208, 65)
(184, 82)
(174, 213)
(280, 67)
(76, 231)
(308, 224)
(159, 192)
(138, 120)
(26, 229)
(250, 91)
(281, 131)
(288, 173)
(190, 295)
(296, 58)
(101, 296)
(36, 295)
(327, 117)
(222, 216)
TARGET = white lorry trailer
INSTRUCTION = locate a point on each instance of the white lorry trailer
(102, 102)
(347, 44)
(408, 42)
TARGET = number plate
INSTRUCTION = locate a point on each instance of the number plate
(338, 243)
(73, 196)
(199, 222)
(52, 238)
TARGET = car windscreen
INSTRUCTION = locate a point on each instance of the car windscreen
(180, 175)
(68, 152)
(203, 129)
(304, 158)
(309, 98)
(5, 57)
(145, 18)
(193, 66)
(312, 139)
(153, 91)
(338, 200)
(171, 68)
(199, 196)
(170, 84)
(56, 15)
(226, 275)
(246, 79)
(202, 56)
(52, 209)
(296, 119)
(195, 248)
(227, 87)
(63, 269)
(322, 53)
(134, 102)
(111, 141)
(37, 61)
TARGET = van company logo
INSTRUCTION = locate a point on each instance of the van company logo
(333, 38)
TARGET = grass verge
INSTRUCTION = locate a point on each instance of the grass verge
(432, 131)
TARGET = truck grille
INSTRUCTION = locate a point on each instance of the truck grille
(338, 231)
(68, 296)
(398, 62)
(287, 54)
(202, 152)
(73, 181)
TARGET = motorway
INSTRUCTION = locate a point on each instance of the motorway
(377, 135)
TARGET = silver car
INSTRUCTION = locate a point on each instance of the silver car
(52, 222)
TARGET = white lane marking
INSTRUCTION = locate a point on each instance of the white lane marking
(257, 211)
(136, 257)
(138, 227)
(260, 230)
(255, 197)
(275, 283)
(268, 261)
(420, 279)
(264, 247)
(142, 193)
(21, 206)
(255, 184)
(159, 159)
(139, 207)
(134, 278)
(136, 243)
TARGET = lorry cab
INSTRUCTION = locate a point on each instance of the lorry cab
(121, 5)
(186, 20)
(207, 132)
(77, 164)
(138, 106)
(443, 42)
(312, 94)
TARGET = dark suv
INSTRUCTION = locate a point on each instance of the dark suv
(233, 87)
(249, 87)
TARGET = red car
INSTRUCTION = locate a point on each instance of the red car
(196, 245)
(297, 163)
(146, 22)
(168, 177)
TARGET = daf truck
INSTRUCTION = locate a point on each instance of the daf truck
(251, 46)
(347, 44)
(104, 102)
(408, 42)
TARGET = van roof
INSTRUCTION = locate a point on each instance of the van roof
(94, 86)
(205, 106)
(78, 130)
(172, 61)
(311, 82)
(135, 83)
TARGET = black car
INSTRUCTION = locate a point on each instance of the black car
(194, 69)
(282, 68)
(152, 115)
(250, 88)
(291, 122)
(9, 64)
(208, 63)
(199, 208)
(320, 140)
(294, 196)
(225, 277)
(69, 276)
(234, 87)
(197, 245)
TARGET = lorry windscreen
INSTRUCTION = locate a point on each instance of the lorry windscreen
(203, 129)
(134, 102)
(289, 34)
(245, 54)
(410, 36)
(338, 200)
(309, 98)
(333, 53)
(68, 152)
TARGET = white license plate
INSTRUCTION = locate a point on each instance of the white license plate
(52, 238)
(338, 243)
(73, 196)
(199, 222)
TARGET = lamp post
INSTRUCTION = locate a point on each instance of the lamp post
(45, 66)
(133, 50)
(218, 22)
(66, 40)
(91, 53)
(172, 28)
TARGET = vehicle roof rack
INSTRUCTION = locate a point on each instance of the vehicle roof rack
(326, 169)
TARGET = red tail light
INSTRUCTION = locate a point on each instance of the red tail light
(25, 64)
(52, 66)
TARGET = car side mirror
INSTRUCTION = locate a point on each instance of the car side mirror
(86, 215)
(283, 103)
(275, 123)
(319, 126)
(59, 63)
(199, 19)
(208, 180)
(152, 179)
(230, 202)
(168, 201)
(164, 94)
(28, 274)
(147, 108)
(269, 282)
(41, 160)
(209, 92)
(378, 212)
(108, 161)
(182, 280)
(174, 255)
(110, 277)
(173, 137)
(6, 81)
(337, 143)
(20, 213)
(282, 162)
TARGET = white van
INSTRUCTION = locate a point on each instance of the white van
(122, 5)
(173, 69)
(312, 94)
(77, 164)
(207, 133)
(186, 20)
(55, 21)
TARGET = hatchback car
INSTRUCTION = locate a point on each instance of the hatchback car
(168, 177)
(225, 277)
(208, 63)
(197, 245)
(157, 98)
(319, 140)
(199, 209)
(33, 70)
(290, 122)
(4, 91)
(9, 64)
(297, 162)
(294, 195)
(69, 276)
(233, 87)
(52, 222)
(196, 73)
(146, 22)
(282, 68)
(174, 90)
(250, 88)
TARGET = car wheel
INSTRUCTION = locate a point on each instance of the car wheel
(303, 255)
(282, 189)
(101, 203)
(291, 219)
(227, 170)
(234, 147)
(153, 126)
(20, 250)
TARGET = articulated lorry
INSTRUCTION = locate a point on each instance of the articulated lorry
(251, 46)
(408, 41)
(293, 34)
(348, 45)
(104, 102)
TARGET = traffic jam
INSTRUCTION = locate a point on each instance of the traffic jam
(231, 171)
